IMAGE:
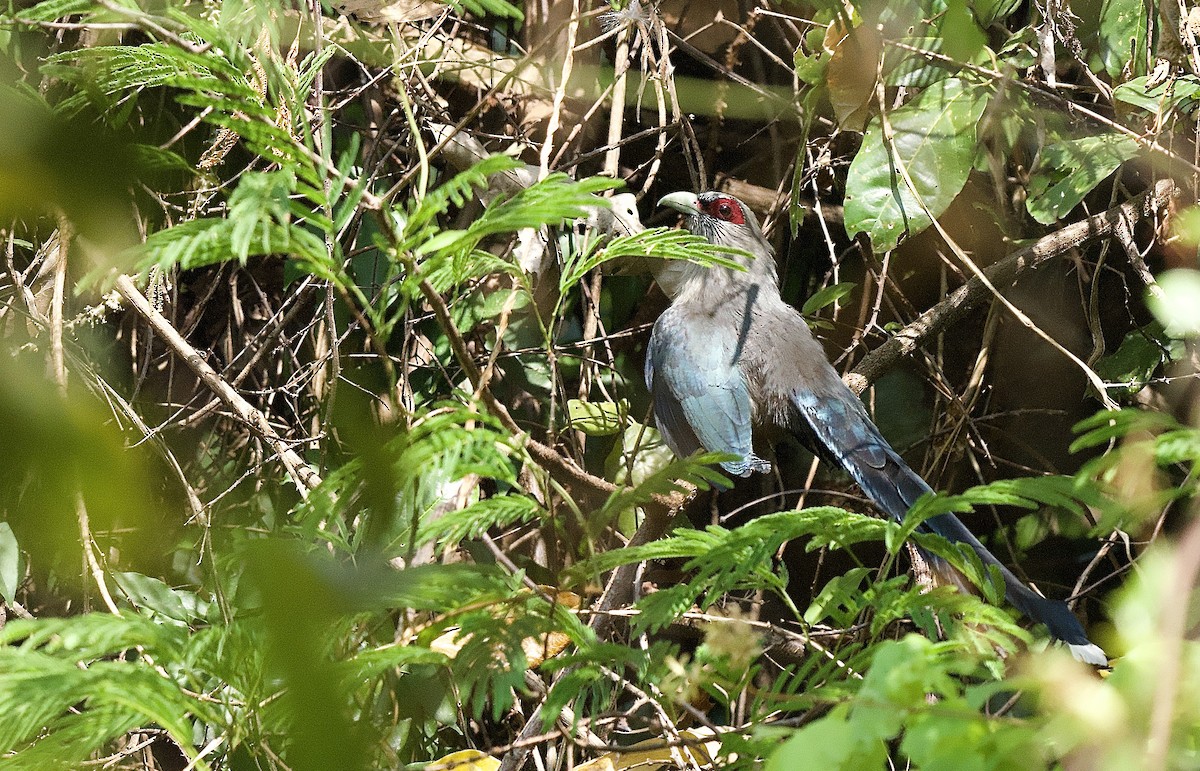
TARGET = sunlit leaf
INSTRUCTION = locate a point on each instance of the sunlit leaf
(1178, 307)
(933, 140)
(10, 563)
(1070, 169)
(596, 418)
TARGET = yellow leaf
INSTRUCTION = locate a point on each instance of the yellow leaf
(651, 755)
(465, 760)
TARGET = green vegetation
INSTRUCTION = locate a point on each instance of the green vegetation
(326, 444)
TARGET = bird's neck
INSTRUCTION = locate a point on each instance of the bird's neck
(682, 280)
(718, 287)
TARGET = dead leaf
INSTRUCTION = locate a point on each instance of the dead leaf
(851, 73)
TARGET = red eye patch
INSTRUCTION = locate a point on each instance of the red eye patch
(725, 209)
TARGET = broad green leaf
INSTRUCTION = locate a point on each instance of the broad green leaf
(962, 39)
(1071, 169)
(934, 141)
(10, 563)
(830, 742)
(841, 592)
(489, 8)
(1138, 357)
(596, 418)
(1181, 92)
(640, 454)
(810, 67)
(1122, 35)
(988, 12)
(1020, 50)
(906, 68)
(486, 304)
(152, 594)
(827, 296)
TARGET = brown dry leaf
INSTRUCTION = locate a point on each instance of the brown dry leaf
(450, 642)
(851, 73)
(538, 649)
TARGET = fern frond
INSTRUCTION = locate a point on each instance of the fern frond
(476, 519)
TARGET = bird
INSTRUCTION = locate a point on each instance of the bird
(730, 353)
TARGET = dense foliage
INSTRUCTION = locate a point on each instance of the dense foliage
(327, 442)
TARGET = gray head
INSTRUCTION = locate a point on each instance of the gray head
(723, 220)
(726, 221)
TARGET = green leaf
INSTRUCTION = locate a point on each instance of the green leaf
(962, 39)
(724, 560)
(499, 8)
(1071, 169)
(1180, 446)
(987, 12)
(1178, 308)
(1129, 368)
(827, 296)
(596, 418)
(53, 10)
(446, 239)
(486, 304)
(934, 141)
(11, 568)
(153, 594)
(1122, 35)
(259, 198)
(475, 520)
(840, 593)
(1180, 93)
(830, 742)
(1107, 425)
(811, 67)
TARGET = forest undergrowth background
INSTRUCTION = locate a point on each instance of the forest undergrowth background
(327, 444)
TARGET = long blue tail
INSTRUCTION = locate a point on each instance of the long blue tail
(844, 429)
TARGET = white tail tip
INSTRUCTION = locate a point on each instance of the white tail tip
(1089, 654)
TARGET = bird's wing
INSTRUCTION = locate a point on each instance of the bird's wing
(700, 395)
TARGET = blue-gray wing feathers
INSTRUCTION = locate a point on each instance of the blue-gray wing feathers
(700, 397)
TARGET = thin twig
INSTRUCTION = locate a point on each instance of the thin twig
(964, 299)
(301, 474)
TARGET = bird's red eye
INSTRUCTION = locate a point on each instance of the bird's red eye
(725, 209)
